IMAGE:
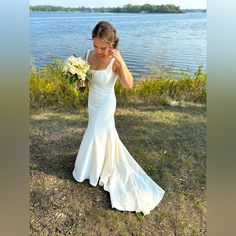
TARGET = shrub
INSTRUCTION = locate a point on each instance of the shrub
(48, 87)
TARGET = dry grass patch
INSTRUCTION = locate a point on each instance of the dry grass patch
(168, 142)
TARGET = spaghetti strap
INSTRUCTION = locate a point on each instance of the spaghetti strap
(111, 63)
(87, 54)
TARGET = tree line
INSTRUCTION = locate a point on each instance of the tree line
(129, 8)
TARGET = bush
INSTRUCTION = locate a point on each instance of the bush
(48, 87)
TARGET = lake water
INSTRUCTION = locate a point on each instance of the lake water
(177, 41)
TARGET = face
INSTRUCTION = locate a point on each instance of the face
(101, 48)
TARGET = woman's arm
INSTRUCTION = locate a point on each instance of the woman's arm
(122, 70)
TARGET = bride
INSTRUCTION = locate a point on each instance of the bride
(102, 157)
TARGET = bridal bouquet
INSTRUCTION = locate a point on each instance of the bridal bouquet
(76, 70)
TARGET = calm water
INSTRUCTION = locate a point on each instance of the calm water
(176, 40)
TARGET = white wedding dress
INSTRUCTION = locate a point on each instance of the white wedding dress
(102, 157)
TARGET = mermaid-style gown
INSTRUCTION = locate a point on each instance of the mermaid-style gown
(102, 157)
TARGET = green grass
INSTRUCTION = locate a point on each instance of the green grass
(169, 144)
(49, 88)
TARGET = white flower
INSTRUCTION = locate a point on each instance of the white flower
(76, 66)
(72, 70)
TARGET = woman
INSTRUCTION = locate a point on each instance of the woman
(102, 157)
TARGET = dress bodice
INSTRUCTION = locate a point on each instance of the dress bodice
(103, 79)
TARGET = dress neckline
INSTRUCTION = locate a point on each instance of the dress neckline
(101, 69)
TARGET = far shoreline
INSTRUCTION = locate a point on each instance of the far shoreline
(202, 11)
(129, 8)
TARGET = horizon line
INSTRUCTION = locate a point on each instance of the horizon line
(120, 6)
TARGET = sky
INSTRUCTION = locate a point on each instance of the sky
(183, 4)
